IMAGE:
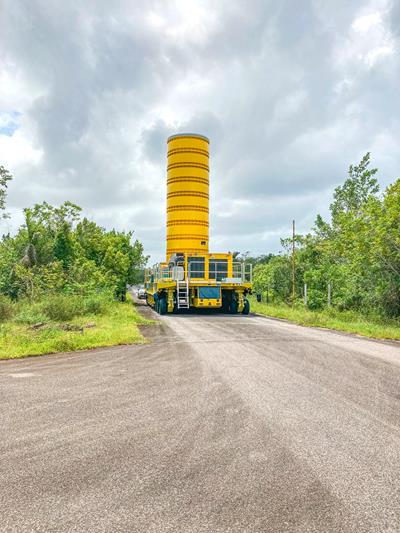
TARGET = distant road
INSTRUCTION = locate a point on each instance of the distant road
(222, 424)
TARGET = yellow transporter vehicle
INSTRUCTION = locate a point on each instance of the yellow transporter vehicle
(191, 276)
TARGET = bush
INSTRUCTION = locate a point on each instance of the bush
(6, 308)
(95, 304)
(62, 307)
(30, 314)
(315, 300)
(58, 307)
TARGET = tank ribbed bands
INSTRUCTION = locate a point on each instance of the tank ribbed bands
(191, 179)
(187, 250)
(187, 165)
(199, 151)
(187, 236)
(187, 208)
(188, 222)
(188, 193)
(188, 136)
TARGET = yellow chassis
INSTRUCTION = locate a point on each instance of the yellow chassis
(169, 288)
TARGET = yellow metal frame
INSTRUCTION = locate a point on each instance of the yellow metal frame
(159, 280)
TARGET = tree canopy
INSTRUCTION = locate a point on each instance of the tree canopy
(357, 252)
(5, 177)
(56, 250)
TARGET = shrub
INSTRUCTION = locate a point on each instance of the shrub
(62, 307)
(315, 300)
(95, 304)
(6, 308)
(30, 314)
(57, 307)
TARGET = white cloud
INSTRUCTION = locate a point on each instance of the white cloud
(369, 40)
(365, 23)
(288, 98)
(17, 152)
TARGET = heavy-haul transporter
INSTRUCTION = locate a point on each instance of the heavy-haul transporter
(191, 276)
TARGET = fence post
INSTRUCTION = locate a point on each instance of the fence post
(329, 294)
(305, 294)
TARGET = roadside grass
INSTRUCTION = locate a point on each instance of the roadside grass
(116, 323)
(346, 321)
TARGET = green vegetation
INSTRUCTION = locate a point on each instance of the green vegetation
(56, 251)
(356, 254)
(63, 282)
(347, 321)
(5, 177)
(33, 332)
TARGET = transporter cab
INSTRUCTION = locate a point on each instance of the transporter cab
(191, 277)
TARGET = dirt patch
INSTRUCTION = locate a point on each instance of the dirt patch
(153, 331)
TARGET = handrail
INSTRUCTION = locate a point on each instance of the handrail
(241, 271)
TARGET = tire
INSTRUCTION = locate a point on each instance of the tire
(233, 307)
(162, 306)
(246, 307)
(225, 306)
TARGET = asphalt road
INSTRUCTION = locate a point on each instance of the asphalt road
(222, 424)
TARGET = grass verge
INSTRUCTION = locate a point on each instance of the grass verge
(117, 324)
(347, 321)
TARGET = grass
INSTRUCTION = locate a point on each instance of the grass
(116, 324)
(347, 321)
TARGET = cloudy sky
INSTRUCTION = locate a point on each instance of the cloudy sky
(289, 92)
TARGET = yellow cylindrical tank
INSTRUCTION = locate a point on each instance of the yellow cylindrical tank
(187, 194)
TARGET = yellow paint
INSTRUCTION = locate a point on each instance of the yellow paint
(176, 283)
(187, 194)
(170, 300)
(197, 302)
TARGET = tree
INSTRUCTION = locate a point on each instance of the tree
(57, 251)
(63, 246)
(358, 253)
(275, 277)
(356, 190)
(48, 231)
(5, 177)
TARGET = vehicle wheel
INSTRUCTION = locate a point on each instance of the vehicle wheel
(162, 306)
(225, 305)
(246, 307)
(233, 307)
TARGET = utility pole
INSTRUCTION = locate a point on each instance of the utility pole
(293, 265)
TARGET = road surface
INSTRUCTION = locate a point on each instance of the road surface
(221, 424)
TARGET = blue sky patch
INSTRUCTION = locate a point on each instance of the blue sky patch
(9, 122)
